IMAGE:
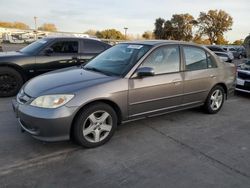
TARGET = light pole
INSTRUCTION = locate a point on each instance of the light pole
(35, 19)
(125, 31)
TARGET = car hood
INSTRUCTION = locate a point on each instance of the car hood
(64, 81)
(10, 54)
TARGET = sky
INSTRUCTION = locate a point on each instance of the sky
(137, 15)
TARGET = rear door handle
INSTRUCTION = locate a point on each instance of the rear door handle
(176, 81)
(212, 76)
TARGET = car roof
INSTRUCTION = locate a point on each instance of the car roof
(70, 37)
(158, 42)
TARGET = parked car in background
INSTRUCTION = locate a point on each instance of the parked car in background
(243, 77)
(242, 51)
(44, 55)
(126, 82)
(223, 54)
(233, 50)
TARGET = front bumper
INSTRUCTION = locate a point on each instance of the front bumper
(45, 124)
(243, 85)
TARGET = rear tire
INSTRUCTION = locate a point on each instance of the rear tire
(10, 81)
(215, 100)
(95, 125)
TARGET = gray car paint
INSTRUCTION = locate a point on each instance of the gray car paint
(131, 96)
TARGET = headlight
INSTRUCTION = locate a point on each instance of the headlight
(51, 101)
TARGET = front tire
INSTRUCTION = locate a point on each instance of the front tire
(215, 100)
(10, 81)
(95, 125)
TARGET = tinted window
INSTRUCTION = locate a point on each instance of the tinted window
(65, 47)
(195, 58)
(164, 60)
(93, 46)
(214, 48)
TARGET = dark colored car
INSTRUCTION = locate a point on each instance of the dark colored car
(233, 50)
(242, 51)
(219, 51)
(44, 55)
(243, 77)
(126, 82)
(223, 56)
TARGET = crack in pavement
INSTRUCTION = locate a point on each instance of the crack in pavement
(38, 161)
(206, 156)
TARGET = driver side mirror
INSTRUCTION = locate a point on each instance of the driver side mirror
(49, 51)
(145, 72)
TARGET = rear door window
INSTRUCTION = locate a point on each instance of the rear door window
(65, 47)
(91, 46)
(197, 59)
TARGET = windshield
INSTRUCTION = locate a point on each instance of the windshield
(34, 47)
(118, 60)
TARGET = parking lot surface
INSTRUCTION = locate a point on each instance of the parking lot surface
(182, 149)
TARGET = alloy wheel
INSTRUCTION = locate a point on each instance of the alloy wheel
(97, 126)
(216, 99)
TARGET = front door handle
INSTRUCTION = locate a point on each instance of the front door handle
(75, 58)
(212, 76)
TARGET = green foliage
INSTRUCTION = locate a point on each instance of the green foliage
(159, 28)
(179, 27)
(48, 27)
(110, 34)
(214, 24)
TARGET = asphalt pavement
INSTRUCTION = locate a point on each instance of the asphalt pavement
(182, 149)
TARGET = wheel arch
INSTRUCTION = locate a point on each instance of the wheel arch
(224, 86)
(106, 101)
(18, 68)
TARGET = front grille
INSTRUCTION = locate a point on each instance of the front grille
(23, 98)
(245, 87)
(244, 75)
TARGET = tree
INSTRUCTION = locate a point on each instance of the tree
(238, 42)
(159, 28)
(6, 24)
(48, 27)
(179, 27)
(199, 40)
(182, 26)
(110, 34)
(17, 25)
(20, 25)
(168, 30)
(221, 40)
(148, 35)
(214, 24)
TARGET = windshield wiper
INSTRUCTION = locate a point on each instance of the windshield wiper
(96, 70)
